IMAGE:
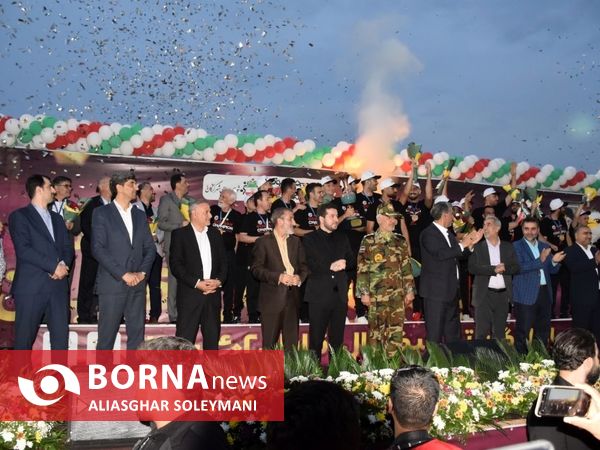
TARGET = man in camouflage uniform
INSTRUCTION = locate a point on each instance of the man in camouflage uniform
(385, 282)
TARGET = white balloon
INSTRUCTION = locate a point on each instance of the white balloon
(343, 146)
(7, 139)
(270, 139)
(471, 160)
(83, 145)
(398, 160)
(547, 169)
(248, 149)
(310, 145)
(336, 152)
(38, 142)
(404, 155)
(289, 155)
(137, 141)
(316, 164)
(299, 148)
(438, 158)
(116, 127)
(61, 127)
(25, 120)
(126, 147)
(72, 124)
(532, 182)
(260, 144)
(478, 177)
(328, 160)
(277, 159)
(570, 172)
(455, 173)
(202, 133)
(105, 132)
(179, 141)
(197, 155)
(422, 171)
(116, 151)
(71, 147)
(210, 154)
(158, 152)
(157, 129)
(12, 126)
(168, 149)
(540, 177)
(146, 133)
(191, 134)
(231, 140)
(48, 135)
(220, 147)
(463, 166)
(93, 139)
(445, 156)
(487, 172)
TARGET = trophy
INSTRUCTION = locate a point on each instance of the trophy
(414, 153)
(445, 175)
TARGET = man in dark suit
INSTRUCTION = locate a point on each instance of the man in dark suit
(329, 257)
(199, 263)
(583, 262)
(87, 300)
(279, 263)
(493, 262)
(575, 354)
(439, 274)
(532, 288)
(44, 253)
(124, 248)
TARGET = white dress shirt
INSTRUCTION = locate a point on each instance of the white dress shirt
(58, 206)
(496, 281)
(588, 252)
(127, 217)
(205, 255)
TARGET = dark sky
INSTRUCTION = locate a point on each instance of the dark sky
(512, 79)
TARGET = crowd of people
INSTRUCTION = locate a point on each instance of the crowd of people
(299, 256)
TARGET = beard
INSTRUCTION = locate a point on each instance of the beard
(593, 376)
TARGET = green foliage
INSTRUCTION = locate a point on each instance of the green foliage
(302, 363)
(342, 361)
(376, 358)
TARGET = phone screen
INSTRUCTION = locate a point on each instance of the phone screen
(561, 401)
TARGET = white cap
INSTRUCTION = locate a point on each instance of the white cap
(489, 191)
(367, 175)
(262, 180)
(555, 204)
(351, 179)
(440, 199)
(326, 179)
(386, 183)
(457, 205)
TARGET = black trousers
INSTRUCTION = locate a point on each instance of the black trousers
(442, 321)
(87, 300)
(230, 306)
(112, 308)
(246, 282)
(206, 314)
(490, 315)
(326, 315)
(562, 279)
(30, 309)
(537, 316)
(587, 316)
(284, 322)
(463, 281)
(154, 279)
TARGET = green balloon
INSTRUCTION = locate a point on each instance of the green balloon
(94, 149)
(136, 128)
(490, 179)
(199, 144)
(210, 141)
(126, 133)
(438, 170)
(48, 122)
(178, 153)
(189, 149)
(25, 136)
(548, 182)
(35, 127)
(105, 148)
(115, 141)
(556, 173)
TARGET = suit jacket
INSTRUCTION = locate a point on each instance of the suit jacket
(321, 250)
(115, 253)
(562, 435)
(169, 217)
(85, 219)
(584, 278)
(526, 283)
(266, 267)
(479, 265)
(37, 253)
(438, 265)
(186, 264)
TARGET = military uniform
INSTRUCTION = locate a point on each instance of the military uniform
(385, 273)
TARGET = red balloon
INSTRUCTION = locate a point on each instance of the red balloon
(2, 122)
(269, 152)
(279, 146)
(83, 129)
(259, 157)
(580, 176)
(147, 148)
(535, 170)
(220, 158)
(351, 150)
(72, 136)
(179, 130)
(470, 173)
(52, 146)
(168, 134)
(427, 156)
(289, 142)
(61, 141)
(158, 141)
(478, 166)
(405, 166)
(240, 157)
(138, 151)
(94, 126)
(231, 153)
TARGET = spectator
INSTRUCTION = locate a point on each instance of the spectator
(491, 199)
(319, 415)
(575, 354)
(414, 394)
(591, 422)
(288, 189)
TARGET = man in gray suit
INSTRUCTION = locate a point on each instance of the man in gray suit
(493, 263)
(124, 248)
(169, 219)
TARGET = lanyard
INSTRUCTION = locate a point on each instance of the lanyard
(56, 208)
(225, 218)
(266, 221)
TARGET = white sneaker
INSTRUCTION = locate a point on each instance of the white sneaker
(467, 318)
(361, 320)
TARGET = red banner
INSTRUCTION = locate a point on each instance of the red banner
(141, 385)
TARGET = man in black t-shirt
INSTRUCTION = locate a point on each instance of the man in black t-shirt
(368, 196)
(288, 189)
(307, 219)
(228, 221)
(554, 231)
(254, 225)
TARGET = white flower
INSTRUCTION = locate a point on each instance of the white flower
(377, 395)
(547, 363)
(7, 436)
(497, 386)
(386, 372)
(502, 374)
(524, 366)
(263, 437)
(20, 444)
(438, 422)
(453, 398)
(476, 414)
(372, 418)
(225, 427)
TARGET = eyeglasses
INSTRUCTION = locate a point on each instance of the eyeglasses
(68, 186)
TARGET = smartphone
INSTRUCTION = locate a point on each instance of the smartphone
(562, 401)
